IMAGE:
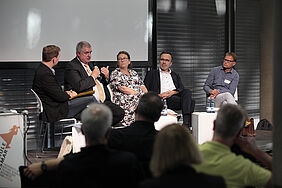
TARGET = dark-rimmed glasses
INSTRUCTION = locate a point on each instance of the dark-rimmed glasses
(229, 61)
(121, 59)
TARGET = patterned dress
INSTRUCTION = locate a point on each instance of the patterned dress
(125, 101)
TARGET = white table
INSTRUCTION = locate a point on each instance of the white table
(78, 138)
(165, 120)
(202, 126)
(11, 148)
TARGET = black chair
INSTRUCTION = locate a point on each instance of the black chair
(47, 179)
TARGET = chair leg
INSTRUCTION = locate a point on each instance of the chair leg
(44, 137)
(51, 135)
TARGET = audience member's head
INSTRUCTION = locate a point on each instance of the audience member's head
(174, 146)
(229, 121)
(49, 52)
(96, 122)
(150, 106)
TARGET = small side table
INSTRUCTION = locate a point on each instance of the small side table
(202, 126)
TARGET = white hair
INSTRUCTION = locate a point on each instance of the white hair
(96, 120)
(230, 119)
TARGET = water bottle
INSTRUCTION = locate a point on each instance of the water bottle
(164, 111)
(208, 107)
(212, 105)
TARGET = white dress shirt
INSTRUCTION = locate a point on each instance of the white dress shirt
(96, 93)
(166, 81)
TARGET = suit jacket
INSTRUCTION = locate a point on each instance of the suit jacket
(77, 79)
(53, 98)
(99, 166)
(137, 138)
(153, 83)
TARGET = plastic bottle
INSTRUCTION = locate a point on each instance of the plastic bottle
(212, 105)
(208, 106)
(164, 111)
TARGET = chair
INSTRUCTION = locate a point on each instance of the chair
(47, 179)
(236, 95)
(48, 128)
(110, 91)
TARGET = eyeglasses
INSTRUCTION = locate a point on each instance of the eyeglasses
(229, 61)
(166, 60)
(121, 59)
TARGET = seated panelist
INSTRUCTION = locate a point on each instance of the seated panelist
(82, 76)
(55, 101)
(127, 87)
(222, 81)
(168, 85)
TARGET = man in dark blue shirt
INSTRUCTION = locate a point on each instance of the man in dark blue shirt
(222, 81)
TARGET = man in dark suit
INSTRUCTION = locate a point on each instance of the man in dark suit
(168, 85)
(55, 101)
(81, 76)
(138, 138)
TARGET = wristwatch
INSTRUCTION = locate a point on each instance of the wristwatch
(43, 166)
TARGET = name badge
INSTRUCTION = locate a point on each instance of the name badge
(227, 81)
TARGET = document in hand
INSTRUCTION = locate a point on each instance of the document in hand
(82, 94)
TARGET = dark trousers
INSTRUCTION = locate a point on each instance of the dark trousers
(118, 112)
(182, 101)
(77, 105)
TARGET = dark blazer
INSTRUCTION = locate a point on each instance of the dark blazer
(77, 79)
(54, 99)
(99, 166)
(184, 176)
(137, 138)
(153, 83)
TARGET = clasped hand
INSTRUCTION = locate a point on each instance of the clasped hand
(71, 93)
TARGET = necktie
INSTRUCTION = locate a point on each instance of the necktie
(100, 90)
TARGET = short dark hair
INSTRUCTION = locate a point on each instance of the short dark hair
(231, 54)
(128, 56)
(150, 106)
(166, 52)
(50, 52)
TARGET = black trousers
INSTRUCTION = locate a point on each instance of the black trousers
(182, 101)
(76, 106)
(118, 112)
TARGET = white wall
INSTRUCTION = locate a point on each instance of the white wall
(26, 26)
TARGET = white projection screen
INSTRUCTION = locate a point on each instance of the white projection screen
(26, 26)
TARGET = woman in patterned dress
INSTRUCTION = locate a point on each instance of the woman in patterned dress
(127, 87)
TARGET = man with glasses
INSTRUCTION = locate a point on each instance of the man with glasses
(168, 85)
(222, 81)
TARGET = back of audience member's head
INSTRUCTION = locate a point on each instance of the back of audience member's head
(230, 119)
(174, 146)
(96, 121)
(150, 106)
